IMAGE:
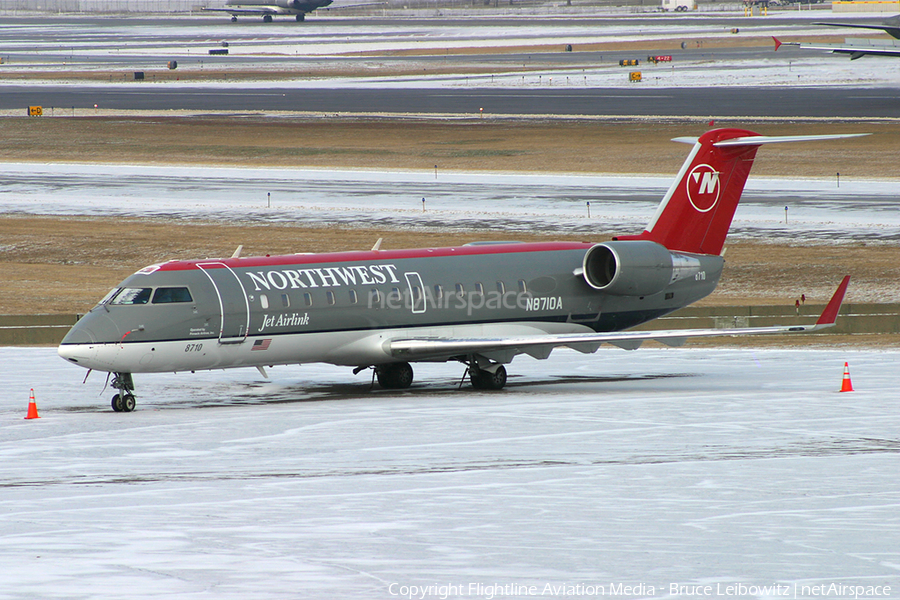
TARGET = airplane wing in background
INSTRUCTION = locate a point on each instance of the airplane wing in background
(889, 26)
(336, 6)
(503, 350)
(855, 50)
(244, 11)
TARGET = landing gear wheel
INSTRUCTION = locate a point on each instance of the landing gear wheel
(485, 380)
(234, 19)
(395, 376)
(123, 403)
(267, 19)
(128, 403)
(301, 17)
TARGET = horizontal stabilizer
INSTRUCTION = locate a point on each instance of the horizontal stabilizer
(759, 140)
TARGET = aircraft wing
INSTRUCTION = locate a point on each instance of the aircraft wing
(354, 5)
(856, 50)
(890, 26)
(244, 11)
(504, 349)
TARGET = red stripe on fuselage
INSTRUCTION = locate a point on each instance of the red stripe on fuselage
(380, 255)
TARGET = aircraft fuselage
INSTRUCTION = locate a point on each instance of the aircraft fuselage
(341, 308)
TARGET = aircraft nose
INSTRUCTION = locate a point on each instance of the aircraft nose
(80, 344)
(93, 328)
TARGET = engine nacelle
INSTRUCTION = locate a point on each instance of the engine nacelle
(629, 268)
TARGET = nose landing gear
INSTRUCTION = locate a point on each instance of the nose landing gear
(123, 401)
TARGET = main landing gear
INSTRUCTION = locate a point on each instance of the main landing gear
(123, 401)
(483, 379)
(394, 376)
(483, 375)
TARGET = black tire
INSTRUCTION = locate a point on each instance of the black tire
(485, 380)
(267, 19)
(395, 376)
(116, 403)
(128, 403)
(301, 17)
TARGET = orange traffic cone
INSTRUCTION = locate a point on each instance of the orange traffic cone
(846, 386)
(32, 407)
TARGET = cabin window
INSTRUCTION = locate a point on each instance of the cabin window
(264, 301)
(165, 295)
(460, 290)
(329, 297)
(479, 289)
(133, 296)
(374, 298)
(285, 301)
(438, 293)
(307, 299)
(501, 287)
(353, 297)
(522, 288)
(416, 294)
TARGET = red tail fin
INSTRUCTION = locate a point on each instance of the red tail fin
(696, 212)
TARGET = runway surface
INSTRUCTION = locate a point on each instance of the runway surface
(649, 102)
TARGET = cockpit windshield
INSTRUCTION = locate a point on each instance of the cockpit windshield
(161, 295)
(132, 296)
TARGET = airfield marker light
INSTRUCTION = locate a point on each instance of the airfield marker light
(838, 175)
(268, 199)
(785, 215)
(846, 384)
(589, 208)
(32, 407)
(423, 204)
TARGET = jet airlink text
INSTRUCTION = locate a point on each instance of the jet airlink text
(291, 320)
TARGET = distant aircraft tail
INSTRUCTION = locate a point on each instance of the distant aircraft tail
(696, 213)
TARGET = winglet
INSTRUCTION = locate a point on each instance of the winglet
(777, 43)
(829, 315)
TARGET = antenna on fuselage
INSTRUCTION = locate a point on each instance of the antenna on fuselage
(237, 252)
(377, 245)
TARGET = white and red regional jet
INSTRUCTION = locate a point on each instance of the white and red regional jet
(479, 304)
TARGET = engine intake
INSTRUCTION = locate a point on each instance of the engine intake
(628, 268)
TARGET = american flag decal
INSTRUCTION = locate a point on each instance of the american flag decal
(261, 344)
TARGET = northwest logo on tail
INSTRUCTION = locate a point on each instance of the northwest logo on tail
(703, 187)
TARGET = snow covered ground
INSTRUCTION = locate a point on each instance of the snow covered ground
(818, 210)
(324, 50)
(735, 473)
